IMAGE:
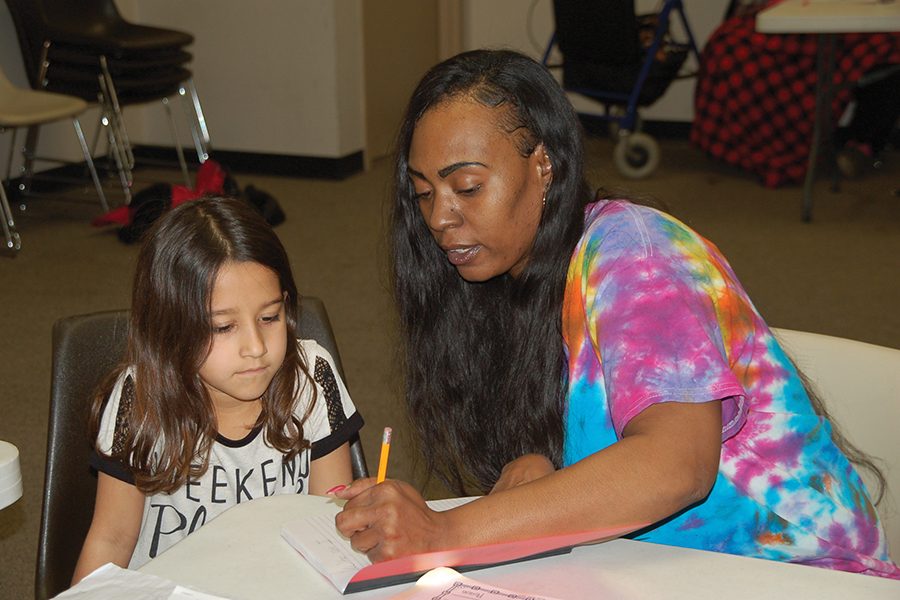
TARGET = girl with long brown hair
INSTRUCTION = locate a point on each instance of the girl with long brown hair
(217, 402)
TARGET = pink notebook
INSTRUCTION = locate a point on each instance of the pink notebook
(349, 571)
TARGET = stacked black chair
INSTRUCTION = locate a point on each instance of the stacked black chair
(87, 49)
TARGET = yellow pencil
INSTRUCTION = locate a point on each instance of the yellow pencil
(385, 451)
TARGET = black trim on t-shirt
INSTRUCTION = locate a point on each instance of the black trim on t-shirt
(336, 439)
(112, 467)
(251, 435)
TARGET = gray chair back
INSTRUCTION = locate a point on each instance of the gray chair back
(85, 349)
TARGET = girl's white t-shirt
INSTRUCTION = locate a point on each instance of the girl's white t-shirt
(239, 470)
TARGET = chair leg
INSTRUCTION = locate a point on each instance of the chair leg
(28, 154)
(127, 155)
(96, 141)
(113, 145)
(114, 141)
(179, 150)
(12, 151)
(13, 242)
(90, 163)
(198, 111)
(190, 111)
(102, 122)
(117, 113)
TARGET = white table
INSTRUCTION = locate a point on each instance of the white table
(826, 18)
(241, 555)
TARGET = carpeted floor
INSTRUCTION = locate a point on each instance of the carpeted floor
(837, 275)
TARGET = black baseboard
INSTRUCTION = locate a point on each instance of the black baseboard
(597, 126)
(312, 167)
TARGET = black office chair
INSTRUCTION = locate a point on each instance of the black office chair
(78, 33)
(85, 349)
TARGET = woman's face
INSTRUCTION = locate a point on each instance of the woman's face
(480, 198)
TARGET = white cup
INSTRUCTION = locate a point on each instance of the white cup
(10, 474)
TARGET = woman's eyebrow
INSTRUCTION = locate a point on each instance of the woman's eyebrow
(448, 169)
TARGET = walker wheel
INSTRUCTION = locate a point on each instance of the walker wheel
(636, 155)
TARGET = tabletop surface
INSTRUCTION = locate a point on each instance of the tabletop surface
(830, 16)
(241, 555)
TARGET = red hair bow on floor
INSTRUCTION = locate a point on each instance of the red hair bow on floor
(210, 181)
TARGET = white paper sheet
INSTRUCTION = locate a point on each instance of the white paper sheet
(447, 584)
(111, 582)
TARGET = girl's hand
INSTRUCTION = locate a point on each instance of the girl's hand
(388, 520)
(522, 470)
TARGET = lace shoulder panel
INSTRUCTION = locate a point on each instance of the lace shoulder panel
(324, 376)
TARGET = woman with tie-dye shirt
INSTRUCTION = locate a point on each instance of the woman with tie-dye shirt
(590, 364)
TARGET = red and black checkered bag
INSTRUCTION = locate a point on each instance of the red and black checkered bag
(755, 99)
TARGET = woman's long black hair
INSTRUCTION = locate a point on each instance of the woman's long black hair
(484, 362)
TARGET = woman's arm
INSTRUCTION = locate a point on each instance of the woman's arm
(115, 527)
(330, 470)
(667, 459)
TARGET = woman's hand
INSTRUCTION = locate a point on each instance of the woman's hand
(522, 470)
(388, 520)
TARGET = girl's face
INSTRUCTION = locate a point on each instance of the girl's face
(249, 336)
(480, 198)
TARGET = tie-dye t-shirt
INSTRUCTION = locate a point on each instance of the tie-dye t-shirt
(654, 313)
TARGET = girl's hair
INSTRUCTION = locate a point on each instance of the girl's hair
(484, 362)
(170, 424)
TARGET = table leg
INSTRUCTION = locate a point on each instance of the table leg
(823, 136)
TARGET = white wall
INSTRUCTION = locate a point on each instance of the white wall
(274, 76)
(350, 70)
(506, 23)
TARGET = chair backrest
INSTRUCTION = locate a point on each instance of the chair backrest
(860, 386)
(5, 83)
(85, 349)
(601, 31)
(28, 20)
(92, 13)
